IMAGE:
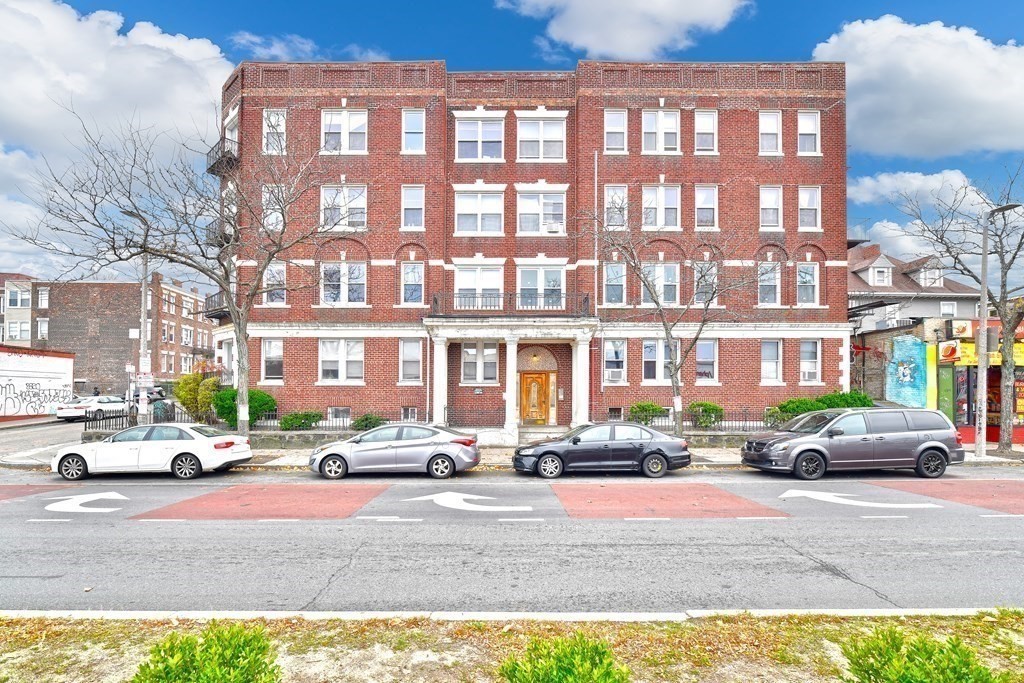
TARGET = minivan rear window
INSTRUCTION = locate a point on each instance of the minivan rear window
(887, 422)
(928, 421)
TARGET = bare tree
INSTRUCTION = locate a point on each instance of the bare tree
(950, 221)
(134, 193)
(683, 298)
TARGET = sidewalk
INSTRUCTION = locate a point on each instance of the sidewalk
(28, 422)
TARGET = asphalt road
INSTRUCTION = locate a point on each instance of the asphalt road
(38, 442)
(693, 540)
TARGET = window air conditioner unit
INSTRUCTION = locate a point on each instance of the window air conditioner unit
(553, 228)
(615, 375)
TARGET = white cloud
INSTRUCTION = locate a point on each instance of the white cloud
(286, 48)
(881, 188)
(928, 90)
(621, 30)
(365, 54)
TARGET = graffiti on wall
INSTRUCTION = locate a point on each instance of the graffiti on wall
(31, 398)
(31, 384)
(906, 378)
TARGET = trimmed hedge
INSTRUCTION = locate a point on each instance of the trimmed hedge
(225, 403)
(799, 406)
(644, 412)
(297, 421)
(705, 414)
(835, 399)
(367, 421)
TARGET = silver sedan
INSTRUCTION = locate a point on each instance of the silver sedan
(438, 451)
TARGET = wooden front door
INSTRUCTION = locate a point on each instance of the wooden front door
(533, 398)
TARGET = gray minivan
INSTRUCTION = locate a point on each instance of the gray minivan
(858, 438)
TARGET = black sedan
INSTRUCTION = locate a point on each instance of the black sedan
(607, 446)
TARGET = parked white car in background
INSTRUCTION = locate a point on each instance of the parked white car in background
(184, 450)
(98, 406)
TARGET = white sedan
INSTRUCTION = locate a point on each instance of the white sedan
(184, 450)
(97, 406)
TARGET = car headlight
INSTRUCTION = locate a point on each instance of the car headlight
(526, 451)
(320, 449)
(778, 447)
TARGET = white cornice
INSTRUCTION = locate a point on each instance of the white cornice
(542, 186)
(479, 113)
(541, 112)
(479, 186)
(540, 260)
(478, 260)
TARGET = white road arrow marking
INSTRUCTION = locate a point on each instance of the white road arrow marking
(843, 499)
(460, 501)
(76, 503)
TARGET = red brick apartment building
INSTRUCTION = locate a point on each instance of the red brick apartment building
(474, 300)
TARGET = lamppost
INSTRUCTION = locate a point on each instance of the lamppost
(981, 410)
(145, 363)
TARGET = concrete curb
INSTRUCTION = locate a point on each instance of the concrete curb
(686, 615)
(54, 421)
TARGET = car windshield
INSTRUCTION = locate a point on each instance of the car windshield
(209, 431)
(575, 432)
(808, 424)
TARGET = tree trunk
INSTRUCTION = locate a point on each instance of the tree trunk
(242, 380)
(677, 403)
(1007, 407)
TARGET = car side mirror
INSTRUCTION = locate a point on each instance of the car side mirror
(109, 439)
(357, 439)
(836, 431)
(575, 440)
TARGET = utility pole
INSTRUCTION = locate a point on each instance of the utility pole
(145, 363)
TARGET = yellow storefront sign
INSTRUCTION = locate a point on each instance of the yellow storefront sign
(969, 355)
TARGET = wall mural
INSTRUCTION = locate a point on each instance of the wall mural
(32, 384)
(906, 378)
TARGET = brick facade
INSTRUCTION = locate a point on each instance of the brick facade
(511, 102)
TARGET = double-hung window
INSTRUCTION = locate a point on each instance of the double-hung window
(769, 276)
(810, 208)
(479, 140)
(705, 131)
(343, 207)
(343, 131)
(705, 283)
(706, 206)
(881, 277)
(273, 359)
(930, 277)
(807, 284)
(810, 361)
(614, 284)
(274, 122)
(414, 131)
(18, 331)
(541, 140)
(542, 213)
(614, 361)
(808, 132)
(480, 363)
(478, 288)
(707, 361)
(411, 359)
(479, 212)
(615, 131)
(947, 309)
(769, 126)
(663, 279)
(541, 288)
(273, 207)
(771, 208)
(274, 281)
(343, 283)
(341, 360)
(661, 131)
(44, 297)
(412, 207)
(771, 361)
(661, 206)
(18, 298)
(42, 328)
(187, 336)
(657, 361)
(412, 282)
(615, 207)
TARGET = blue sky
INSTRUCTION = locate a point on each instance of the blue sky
(936, 89)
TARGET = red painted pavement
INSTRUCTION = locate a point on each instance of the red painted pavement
(1001, 495)
(8, 491)
(593, 501)
(272, 501)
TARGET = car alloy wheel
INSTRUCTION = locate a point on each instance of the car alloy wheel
(931, 465)
(549, 466)
(809, 466)
(654, 466)
(441, 467)
(186, 467)
(72, 467)
(333, 467)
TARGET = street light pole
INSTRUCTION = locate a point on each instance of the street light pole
(981, 386)
(145, 363)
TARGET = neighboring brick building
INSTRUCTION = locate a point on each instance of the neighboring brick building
(473, 182)
(15, 309)
(99, 322)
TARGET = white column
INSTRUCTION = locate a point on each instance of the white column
(580, 381)
(440, 378)
(511, 383)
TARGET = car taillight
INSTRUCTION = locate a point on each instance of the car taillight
(224, 444)
(959, 439)
(464, 442)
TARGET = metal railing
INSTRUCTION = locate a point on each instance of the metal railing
(222, 157)
(216, 306)
(474, 417)
(271, 422)
(573, 305)
(744, 420)
(160, 412)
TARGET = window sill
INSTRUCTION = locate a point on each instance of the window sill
(341, 306)
(658, 383)
(422, 153)
(772, 307)
(409, 306)
(338, 383)
(341, 228)
(479, 161)
(616, 152)
(810, 229)
(479, 384)
(479, 234)
(409, 384)
(364, 153)
(707, 228)
(270, 383)
(657, 228)
(706, 383)
(773, 384)
(809, 154)
(706, 154)
(813, 307)
(812, 384)
(404, 229)
(661, 154)
(272, 306)
(615, 384)
(615, 306)
(771, 229)
(542, 161)
(540, 234)
(267, 153)
(770, 154)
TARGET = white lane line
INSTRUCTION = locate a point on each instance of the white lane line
(520, 519)
(753, 518)
(283, 519)
(377, 517)
(1002, 515)
(160, 520)
(400, 519)
(52, 519)
(884, 517)
(646, 519)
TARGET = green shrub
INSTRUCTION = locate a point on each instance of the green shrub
(773, 417)
(565, 660)
(295, 421)
(367, 421)
(848, 399)
(204, 397)
(186, 390)
(888, 655)
(226, 654)
(260, 403)
(644, 412)
(705, 415)
(799, 406)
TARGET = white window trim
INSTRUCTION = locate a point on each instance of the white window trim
(943, 304)
(715, 381)
(542, 159)
(778, 115)
(625, 207)
(625, 133)
(659, 131)
(778, 284)
(478, 293)
(696, 267)
(477, 190)
(874, 276)
(284, 136)
(817, 284)
(40, 297)
(659, 267)
(342, 380)
(705, 228)
(809, 383)
(540, 287)
(780, 382)
(663, 378)
(817, 116)
(781, 227)
(604, 286)
(817, 227)
(710, 152)
(266, 291)
(405, 151)
(625, 362)
(541, 191)
(405, 228)
(401, 363)
(480, 120)
(479, 381)
(401, 284)
(343, 284)
(660, 209)
(345, 130)
(263, 362)
(346, 209)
